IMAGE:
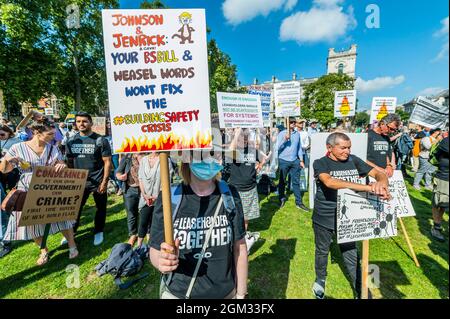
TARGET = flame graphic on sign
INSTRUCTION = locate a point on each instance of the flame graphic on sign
(167, 142)
(345, 106)
(383, 111)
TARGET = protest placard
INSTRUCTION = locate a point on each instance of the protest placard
(239, 110)
(400, 196)
(53, 197)
(266, 100)
(99, 125)
(382, 106)
(344, 103)
(287, 99)
(429, 114)
(157, 74)
(363, 216)
(319, 149)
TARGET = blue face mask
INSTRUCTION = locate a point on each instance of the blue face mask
(205, 171)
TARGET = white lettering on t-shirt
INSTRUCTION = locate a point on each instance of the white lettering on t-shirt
(380, 146)
(350, 175)
(82, 149)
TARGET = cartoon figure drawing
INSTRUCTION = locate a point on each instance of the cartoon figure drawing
(185, 33)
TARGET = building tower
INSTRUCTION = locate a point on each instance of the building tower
(342, 62)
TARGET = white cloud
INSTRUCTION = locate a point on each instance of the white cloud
(239, 11)
(378, 84)
(442, 33)
(431, 91)
(325, 21)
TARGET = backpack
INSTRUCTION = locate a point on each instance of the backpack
(263, 186)
(123, 261)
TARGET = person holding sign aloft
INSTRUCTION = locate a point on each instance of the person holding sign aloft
(209, 259)
(26, 156)
(339, 170)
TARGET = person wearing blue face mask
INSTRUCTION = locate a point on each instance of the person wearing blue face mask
(208, 211)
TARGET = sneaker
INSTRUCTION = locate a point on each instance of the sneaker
(437, 234)
(429, 187)
(63, 241)
(303, 207)
(417, 187)
(250, 241)
(5, 249)
(283, 202)
(98, 239)
(319, 289)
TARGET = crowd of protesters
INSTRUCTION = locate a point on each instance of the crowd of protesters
(221, 190)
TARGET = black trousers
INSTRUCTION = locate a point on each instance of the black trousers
(323, 238)
(131, 199)
(145, 222)
(101, 201)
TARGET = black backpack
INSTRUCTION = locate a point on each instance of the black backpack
(123, 261)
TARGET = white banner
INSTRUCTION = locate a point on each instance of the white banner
(287, 99)
(344, 103)
(429, 114)
(239, 110)
(319, 149)
(157, 73)
(362, 216)
(382, 106)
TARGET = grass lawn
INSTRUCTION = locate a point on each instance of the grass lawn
(281, 262)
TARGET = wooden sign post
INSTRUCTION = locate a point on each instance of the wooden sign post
(411, 249)
(166, 199)
(365, 270)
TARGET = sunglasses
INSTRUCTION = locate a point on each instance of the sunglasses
(392, 129)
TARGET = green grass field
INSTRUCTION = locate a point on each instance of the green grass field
(281, 263)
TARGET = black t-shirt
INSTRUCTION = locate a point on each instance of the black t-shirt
(216, 276)
(353, 170)
(378, 148)
(87, 153)
(243, 171)
(443, 157)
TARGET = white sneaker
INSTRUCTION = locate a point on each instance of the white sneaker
(250, 240)
(98, 239)
(63, 241)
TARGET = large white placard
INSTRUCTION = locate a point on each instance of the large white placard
(344, 103)
(157, 73)
(239, 110)
(319, 150)
(429, 114)
(382, 106)
(287, 99)
(363, 216)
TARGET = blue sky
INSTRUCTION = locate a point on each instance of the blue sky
(406, 56)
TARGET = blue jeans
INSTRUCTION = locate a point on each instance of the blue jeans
(425, 169)
(293, 169)
(3, 215)
(115, 162)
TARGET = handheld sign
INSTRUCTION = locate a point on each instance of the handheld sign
(239, 110)
(400, 196)
(287, 99)
(362, 216)
(266, 99)
(53, 197)
(157, 74)
(382, 106)
(344, 103)
(429, 114)
(158, 85)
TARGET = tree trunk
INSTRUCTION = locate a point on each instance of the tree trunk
(77, 81)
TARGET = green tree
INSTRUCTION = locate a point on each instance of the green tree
(40, 55)
(318, 101)
(404, 116)
(222, 74)
(361, 119)
(156, 4)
